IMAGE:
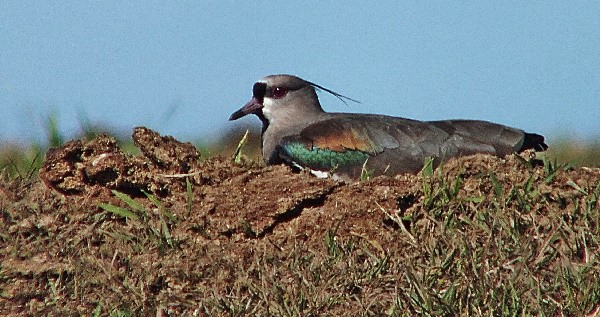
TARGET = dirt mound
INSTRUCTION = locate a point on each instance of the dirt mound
(165, 233)
(77, 166)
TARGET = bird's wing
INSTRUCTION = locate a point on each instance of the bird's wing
(471, 136)
(504, 139)
(344, 143)
(395, 145)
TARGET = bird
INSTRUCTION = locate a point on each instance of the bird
(347, 146)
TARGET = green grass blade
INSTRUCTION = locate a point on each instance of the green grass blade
(427, 170)
(237, 157)
(53, 134)
(190, 194)
(153, 199)
(166, 233)
(119, 211)
(129, 201)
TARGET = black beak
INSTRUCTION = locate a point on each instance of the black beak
(254, 106)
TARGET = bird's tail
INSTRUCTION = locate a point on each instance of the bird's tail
(533, 141)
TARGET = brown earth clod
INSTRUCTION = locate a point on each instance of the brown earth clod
(215, 237)
(78, 165)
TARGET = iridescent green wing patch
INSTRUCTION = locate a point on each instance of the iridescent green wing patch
(322, 159)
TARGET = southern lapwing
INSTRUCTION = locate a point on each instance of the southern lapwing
(296, 131)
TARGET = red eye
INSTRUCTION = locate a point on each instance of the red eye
(278, 92)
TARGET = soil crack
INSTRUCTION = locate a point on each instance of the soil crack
(296, 211)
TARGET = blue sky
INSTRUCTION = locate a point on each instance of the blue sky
(182, 67)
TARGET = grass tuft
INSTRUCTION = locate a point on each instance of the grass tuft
(237, 157)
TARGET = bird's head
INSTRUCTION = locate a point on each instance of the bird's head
(283, 97)
(279, 94)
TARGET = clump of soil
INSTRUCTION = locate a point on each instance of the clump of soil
(77, 166)
(166, 233)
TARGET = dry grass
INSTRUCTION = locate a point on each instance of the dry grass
(482, 237)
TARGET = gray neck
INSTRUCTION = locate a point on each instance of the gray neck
(288, 121)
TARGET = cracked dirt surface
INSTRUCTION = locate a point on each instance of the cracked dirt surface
(204, 237)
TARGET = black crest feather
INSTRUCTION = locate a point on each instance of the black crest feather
(337, 95)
